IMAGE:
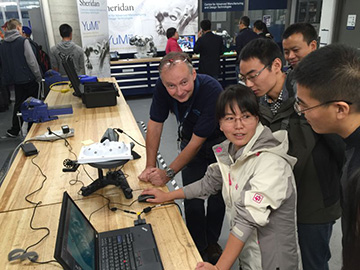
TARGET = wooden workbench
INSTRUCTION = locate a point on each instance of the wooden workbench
(176, 247)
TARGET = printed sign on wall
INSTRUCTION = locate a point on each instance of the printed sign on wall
(147, 21)
(94, 30)
(222, 5)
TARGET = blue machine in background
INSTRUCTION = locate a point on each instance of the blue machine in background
(35, 110)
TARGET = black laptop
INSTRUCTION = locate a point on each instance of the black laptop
(79, 246)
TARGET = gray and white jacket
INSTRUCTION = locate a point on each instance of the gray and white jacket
(259, 191)
(67, 48)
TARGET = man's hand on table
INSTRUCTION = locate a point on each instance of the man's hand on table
(155, 176)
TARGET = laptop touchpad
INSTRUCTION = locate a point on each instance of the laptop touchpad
(145, 257)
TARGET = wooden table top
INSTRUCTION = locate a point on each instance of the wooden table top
(89, 124)
(176, 246)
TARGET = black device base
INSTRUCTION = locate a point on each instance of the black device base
(116, 178)
(29, 149)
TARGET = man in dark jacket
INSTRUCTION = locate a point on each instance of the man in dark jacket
(320, 157)
(210, 47)
(19, 68)
(328, 82)
(244, 37)
(192, 98)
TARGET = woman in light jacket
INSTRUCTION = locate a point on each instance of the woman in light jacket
(254, 174)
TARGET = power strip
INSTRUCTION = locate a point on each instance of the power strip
(59, 135)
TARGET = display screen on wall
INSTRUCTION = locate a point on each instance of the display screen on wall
(222, 5)
(142, 20)
(266, 4)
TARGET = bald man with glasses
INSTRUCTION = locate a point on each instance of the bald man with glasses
(320, 157)
(192, 98)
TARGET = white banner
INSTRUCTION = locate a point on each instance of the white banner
(94, 30)
(149, 19)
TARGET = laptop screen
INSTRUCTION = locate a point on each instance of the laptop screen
(186, 42)
(76, 248)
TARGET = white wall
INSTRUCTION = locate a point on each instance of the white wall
(326, 30)
(63, 11)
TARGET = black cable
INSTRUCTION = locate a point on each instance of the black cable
(96, 211)
(121, 131)
(111, 208)
(46, 262)
(83, 166)
(109, 202)
(76, 180)
(33, 214)
(42, 183)
(37, 229)
(67, 144)
(149, 208)
(178, 206)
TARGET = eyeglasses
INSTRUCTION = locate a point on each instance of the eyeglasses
(251, 77)
(299, 111)
(245, 119)
(172, 62)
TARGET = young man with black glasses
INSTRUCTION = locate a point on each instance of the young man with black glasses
(192, 98)
(328, 82)
(320, 157)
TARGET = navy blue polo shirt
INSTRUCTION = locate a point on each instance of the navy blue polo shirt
(200, 119)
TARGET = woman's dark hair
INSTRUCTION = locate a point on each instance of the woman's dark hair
(351, 240)
(237, 95)
(260, 25)
(170, 32)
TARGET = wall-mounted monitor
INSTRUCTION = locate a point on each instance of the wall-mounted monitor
(186, 43)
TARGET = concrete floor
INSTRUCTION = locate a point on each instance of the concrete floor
(140, 108)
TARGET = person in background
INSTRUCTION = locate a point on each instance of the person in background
(4, 90)
(210, 47)
(244, 36)
(298, 40)
(67, 47)
(26, 33)
(254, 174)
(42, 57)
(172, 44)
(328, 96)
(320, 157)
(16, 52)
(192, 98)
(260, 28)
(3, 27)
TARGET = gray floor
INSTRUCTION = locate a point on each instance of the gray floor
(140, 108)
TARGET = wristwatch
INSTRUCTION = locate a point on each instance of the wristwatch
(170, 173)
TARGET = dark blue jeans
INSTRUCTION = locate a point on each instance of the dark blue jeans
(204, 226)
(314, 242)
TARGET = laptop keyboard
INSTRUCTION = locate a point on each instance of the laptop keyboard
(117, 253)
